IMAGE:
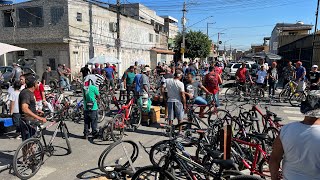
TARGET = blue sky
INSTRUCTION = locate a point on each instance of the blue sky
(244, 22)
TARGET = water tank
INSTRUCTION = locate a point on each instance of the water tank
(300, 23)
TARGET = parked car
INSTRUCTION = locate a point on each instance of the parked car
(6, 72)
(232, 68)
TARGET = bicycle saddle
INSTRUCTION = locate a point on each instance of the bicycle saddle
(261, 136)
(277, 119)
(225, 164)
(215, 154)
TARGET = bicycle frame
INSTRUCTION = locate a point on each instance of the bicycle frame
(266, 119)
(126, 109)
(258, 149)
(60, 124)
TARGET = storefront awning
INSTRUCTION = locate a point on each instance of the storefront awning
(162, 51)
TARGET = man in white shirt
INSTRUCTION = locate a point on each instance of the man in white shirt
(176, 96)
(14, 106)
(261, 76)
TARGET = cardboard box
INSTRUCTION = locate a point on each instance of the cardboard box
(155, 114)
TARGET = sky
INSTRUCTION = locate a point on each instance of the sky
(243, 22)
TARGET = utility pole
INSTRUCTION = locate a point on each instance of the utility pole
(183, 21)
(208, 28)
(118, 41)
(314, 34)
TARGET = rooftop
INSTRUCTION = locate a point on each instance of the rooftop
(293, 26)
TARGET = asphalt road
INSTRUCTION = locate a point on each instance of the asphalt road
(82, 162)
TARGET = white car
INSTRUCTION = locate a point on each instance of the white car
(232, 68)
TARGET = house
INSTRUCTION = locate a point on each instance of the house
(72, 32)
(285, 33)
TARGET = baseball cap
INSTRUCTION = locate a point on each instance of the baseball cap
(146, 69)
(311, 106)
(315, 66)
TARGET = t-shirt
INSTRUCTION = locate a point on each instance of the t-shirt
(314, 77)
(137, 82)
(90, 95)
(37, 92)
(96, 71)
(299, 72)
(300, 144)
(218, 70)
(17, 72)
(45, 77)
(129, 76)
(168, 75)
(27, 97)
(242, 74)
(85, 71)
(14, 96)
(174, 87)
(261, 76)
(60, 72)
(144, 81)
(288, 72)
(193, 88)
(273, 72)
(192, 70)
(109, 71)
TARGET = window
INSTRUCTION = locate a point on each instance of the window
(37, 53)
(27, 71)
(30, 17)
(157, 38)
(8, 19)
(150, 37)
(292, 33)
(52, 63)
(79, 17)
(56, 14)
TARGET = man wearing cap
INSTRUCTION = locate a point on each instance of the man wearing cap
(297, 145)
(110, 74)
(16, 72)
(144, 81)
(289, 73)
(300, 76)
(314, 78)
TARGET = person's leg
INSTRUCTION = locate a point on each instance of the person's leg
(202, 102)
(170, 112)
(86, 123)
(94, 122)
(274, 88)
(179, 111)
(270, 87)
(16, 121)
(67, 82)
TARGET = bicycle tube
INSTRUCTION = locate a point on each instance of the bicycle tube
(164, 175)
(66, 135)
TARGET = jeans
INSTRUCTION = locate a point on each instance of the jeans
(16, 117)
(90, 120)
(66, 80)
(272, 87)
(216, 99)
(200, 101)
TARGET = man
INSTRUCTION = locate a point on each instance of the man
(27, 109)
(91, 97)
(96, 70)
(14, 106)
(16, 72)
(46, 76)
(211, 82)
(297, 145)
(168, 75)
(242, 74)
(109, 70)
(176, 97)
(23, 82)
(272, 78)
(63, 77)
(262, 63)
(300, 76)
(128, 79)
(136, 83)
(145, 84)
(289, 73)
(192, 88)
(85, 71)
(39, 94)
(137, 67)
(314, 78)
(191, 69)
(261, 77)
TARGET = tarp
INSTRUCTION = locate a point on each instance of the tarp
(104, 59)
(267, 55)
(5, 48)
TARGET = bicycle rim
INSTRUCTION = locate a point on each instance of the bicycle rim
(28, 158)
(232, 94)
(152, 173)
(117, 127)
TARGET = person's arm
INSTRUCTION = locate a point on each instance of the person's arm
(27, 111)
(275, 159)
(183, 96)
(204, 89)
(11, 106)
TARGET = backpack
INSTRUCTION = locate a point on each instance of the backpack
(212, 81)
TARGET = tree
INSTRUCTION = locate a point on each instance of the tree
(197, 44)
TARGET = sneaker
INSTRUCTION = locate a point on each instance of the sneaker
(18, 137)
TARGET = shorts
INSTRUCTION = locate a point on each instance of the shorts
(200, 101)
(301, 86)
(27, 131)
(175, 109)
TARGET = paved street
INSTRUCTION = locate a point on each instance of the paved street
(82, 163)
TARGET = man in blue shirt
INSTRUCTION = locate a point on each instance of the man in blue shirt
(109, 74)
(300, 76)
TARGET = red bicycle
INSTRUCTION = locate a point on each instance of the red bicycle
(248, 154)
(128, 117)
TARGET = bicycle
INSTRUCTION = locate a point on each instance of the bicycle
(238, 92)
(288, 90)
(33, 150)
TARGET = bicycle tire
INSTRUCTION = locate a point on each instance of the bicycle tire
(272, 134)
(164, 175)
(284, 95)
(116, 124)
(135, 122)
(219, 115)
(158, 146)
(105, 153)
(235, 152)
(15, 158)
(232, 94)
(103, 111)
(295, 100)
(245, 177)
(66, 136)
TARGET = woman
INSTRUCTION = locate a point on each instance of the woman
(272, 78)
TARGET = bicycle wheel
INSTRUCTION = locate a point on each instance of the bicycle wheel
(101, 112)
(117, 127)
(257, 94)
(264, 169)
(245, 177)
(117, 155)
(66, 137)
(219, 115)
(135, 117)
(296, 98)
(28, 158)
(159, 150)
(284, 95)
(152, 172)
(232, 94)
(272, 134)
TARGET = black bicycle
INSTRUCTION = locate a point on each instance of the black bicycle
(29, 156)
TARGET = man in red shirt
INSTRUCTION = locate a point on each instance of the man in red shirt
(211, 83)
(39, 94)
(242, 74)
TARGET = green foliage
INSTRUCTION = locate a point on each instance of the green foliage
(197, 44)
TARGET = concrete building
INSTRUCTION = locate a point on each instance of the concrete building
(73, 31)
(259, 48)
(285, 33)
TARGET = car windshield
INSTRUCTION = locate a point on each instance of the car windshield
(237, 66)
